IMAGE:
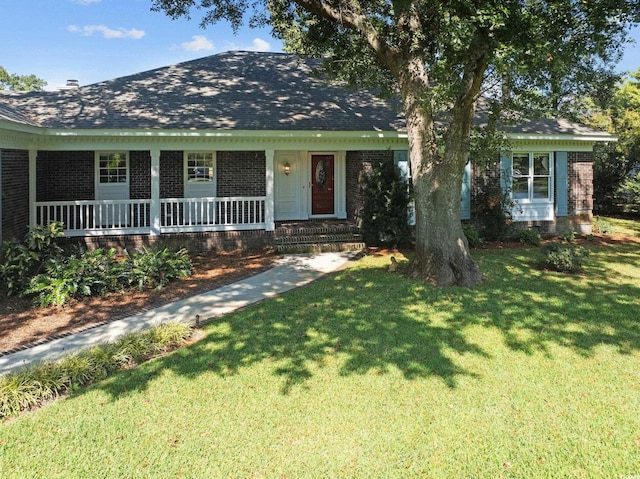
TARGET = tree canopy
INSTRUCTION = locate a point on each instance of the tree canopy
(12, 81)
(439, 57)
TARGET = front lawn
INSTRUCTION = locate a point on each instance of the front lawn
(368, 374)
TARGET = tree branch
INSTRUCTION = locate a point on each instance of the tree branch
(350, 18)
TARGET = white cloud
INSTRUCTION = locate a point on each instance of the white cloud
(198, 43)
(257, 45)
(107, 32)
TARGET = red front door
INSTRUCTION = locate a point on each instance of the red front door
(322, 191)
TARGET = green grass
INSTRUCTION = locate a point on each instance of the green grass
(368, 374)
(624, 226)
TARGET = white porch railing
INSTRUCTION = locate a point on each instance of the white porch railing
(212, 214)
(117, 217)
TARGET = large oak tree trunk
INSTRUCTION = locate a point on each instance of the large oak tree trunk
(442, 252)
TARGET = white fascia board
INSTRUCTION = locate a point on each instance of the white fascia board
(283, 134)
(557, 137)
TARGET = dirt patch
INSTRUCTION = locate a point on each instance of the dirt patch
(22, 324)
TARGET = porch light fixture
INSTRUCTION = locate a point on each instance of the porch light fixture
(287, 168)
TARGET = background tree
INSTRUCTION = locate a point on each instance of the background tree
(614, 183)
(12, 81)
(437, 56)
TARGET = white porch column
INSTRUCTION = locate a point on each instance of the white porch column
(155, 193)
(33, 155)
(269, 204)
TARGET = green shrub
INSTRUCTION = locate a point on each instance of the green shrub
(473, 235)
(385, 206)
(602, 226)
(529, 236)
(30, 387)
(569, 236)
(492, 207)
(94, 273)
(20, 261)
(563, 258)
(154, 267)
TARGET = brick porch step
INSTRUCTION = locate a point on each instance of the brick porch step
(317, 236)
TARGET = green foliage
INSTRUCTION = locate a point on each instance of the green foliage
(384, 213)
(12, 81)
(154, 267)
(602, 226)
(30, 387)
(20, 261)
(563, 258)
(529, 236)
(568, 235)
(473, 235)
(91, 273)
(492, 208)
(613, 163)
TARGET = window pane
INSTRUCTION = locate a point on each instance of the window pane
(113, 168)
(520, 188)
(520, 165)
(199, 167)
(541, 187)
(541, 164)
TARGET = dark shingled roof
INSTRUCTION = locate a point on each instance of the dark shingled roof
(229, 91)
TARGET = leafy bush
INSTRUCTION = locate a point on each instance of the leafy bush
(385, 202)
(563, 258)
(155, 267)
(30, 387)
(602, 226)
(20, 261)
(569, 236)
(529, 236)
(492, 207)
(94, 273)
(473, 235)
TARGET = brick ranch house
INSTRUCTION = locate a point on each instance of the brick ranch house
(226, 147)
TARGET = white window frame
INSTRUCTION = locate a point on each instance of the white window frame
(99, 176)
(531, 176)
(212, 181)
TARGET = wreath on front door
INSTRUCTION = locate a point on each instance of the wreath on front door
(321, 174)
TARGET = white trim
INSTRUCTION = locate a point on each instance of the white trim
(155, 207)
(269, 203)
(33, 186)
(534, 209)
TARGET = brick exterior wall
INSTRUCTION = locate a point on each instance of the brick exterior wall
(171, 174)
(65, 175)
(139, 175)
(15, 193)
(358, 163)
(241, 173)
(580, 172)
(194, 242)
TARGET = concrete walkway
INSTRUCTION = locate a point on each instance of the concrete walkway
(291, 272)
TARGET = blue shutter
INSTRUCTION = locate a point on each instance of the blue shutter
(505, 171)
(465, 194)
(562, 184)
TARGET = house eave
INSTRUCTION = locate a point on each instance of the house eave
(561, 137)
(223, 134)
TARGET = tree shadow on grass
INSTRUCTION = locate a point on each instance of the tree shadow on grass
(372, 321)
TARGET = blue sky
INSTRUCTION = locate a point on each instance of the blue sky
(95, 40)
